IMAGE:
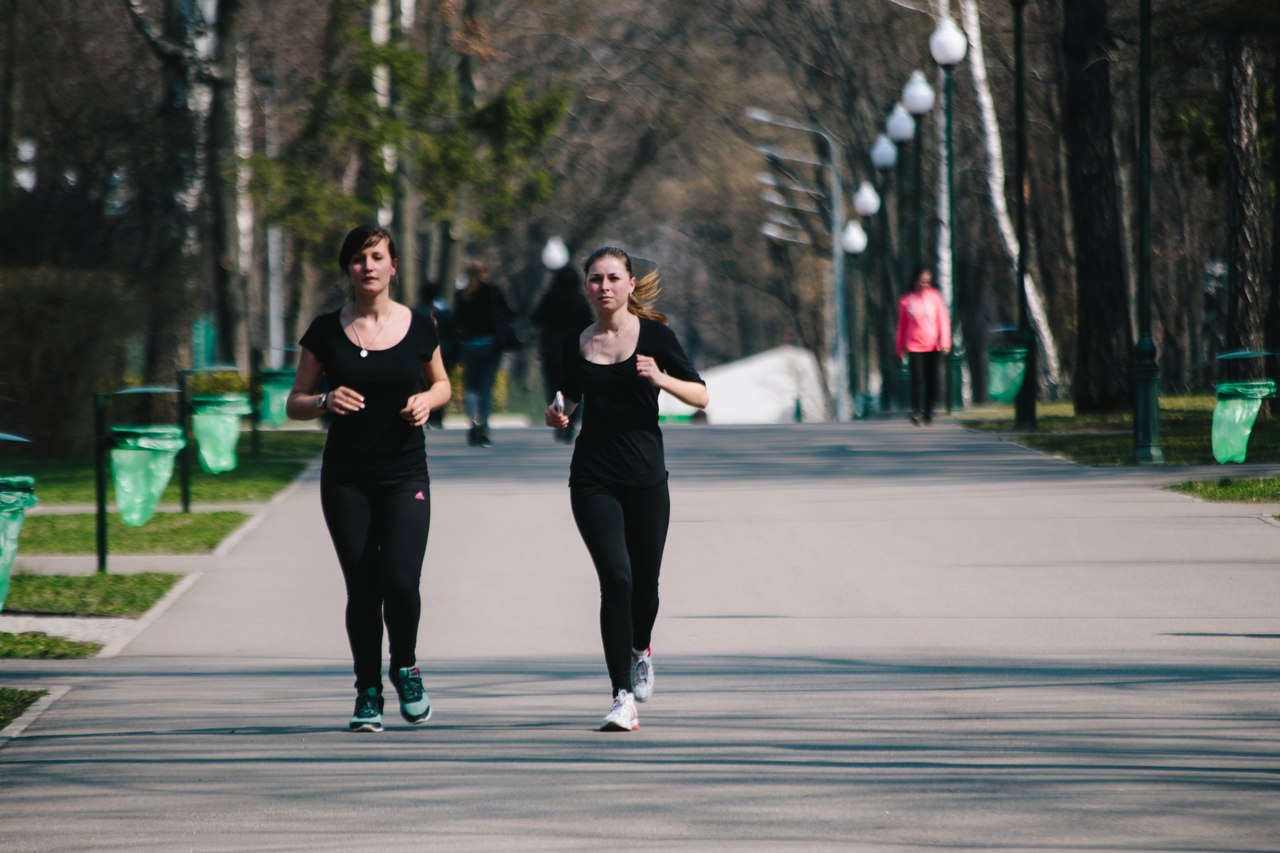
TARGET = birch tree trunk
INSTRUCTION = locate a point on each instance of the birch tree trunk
(996, 182)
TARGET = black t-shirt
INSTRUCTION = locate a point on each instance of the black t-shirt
(375, 438)
(620, 443)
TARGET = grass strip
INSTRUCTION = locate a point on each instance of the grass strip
(165, 533)
(1230, 489)
(32, 645)
(14, 703)
(88, 595)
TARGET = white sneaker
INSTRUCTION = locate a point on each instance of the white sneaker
(642, 675)
(622, 716)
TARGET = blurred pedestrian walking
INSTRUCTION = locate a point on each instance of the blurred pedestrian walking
(923, 337)
(377, 356)
(447, 331)
(618, 478)
(562, 312)
(485, 332)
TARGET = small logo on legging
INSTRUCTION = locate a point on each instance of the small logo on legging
(419, 497)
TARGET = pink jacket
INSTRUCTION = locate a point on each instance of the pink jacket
(923, 323)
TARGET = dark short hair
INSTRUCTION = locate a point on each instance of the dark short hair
(360, 237)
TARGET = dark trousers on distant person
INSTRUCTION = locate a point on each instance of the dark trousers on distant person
(924, 383)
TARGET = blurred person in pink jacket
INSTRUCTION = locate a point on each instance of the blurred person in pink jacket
(924, 335)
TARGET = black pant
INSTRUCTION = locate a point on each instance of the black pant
(625, 531)
(924, 382)
(379, 526)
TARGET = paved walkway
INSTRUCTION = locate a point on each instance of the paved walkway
(873, 637)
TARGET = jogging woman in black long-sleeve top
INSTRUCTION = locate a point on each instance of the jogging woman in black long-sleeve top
(618, 476)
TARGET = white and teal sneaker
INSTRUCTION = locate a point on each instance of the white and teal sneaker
(415, 705)
(368, 714)
(642, 674)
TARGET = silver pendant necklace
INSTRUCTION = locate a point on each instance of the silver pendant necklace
(364, 351)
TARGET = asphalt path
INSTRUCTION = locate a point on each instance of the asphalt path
(872, 637)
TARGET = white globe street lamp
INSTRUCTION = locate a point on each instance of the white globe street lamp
(948, 44)
(854, 238)
(555, 254)
(900, 125)
(866, 201)
(884, 154)
(917, 95)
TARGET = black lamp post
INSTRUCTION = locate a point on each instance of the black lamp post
(901, 129)
(918, 98)
(949, 46)
(866, 202)
(1145, 370)
(884, 157)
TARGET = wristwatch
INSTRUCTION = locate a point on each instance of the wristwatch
(320, 401)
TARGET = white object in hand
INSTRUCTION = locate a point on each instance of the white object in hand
(557, 405)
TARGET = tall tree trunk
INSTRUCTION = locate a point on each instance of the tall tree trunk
(1102, 309)
(1246, 304)
(228, 276)
(1271, 336)
(169, 271)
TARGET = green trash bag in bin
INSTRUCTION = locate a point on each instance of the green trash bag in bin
(17, 495)
(1006, 367)
(1234, 414)
(216, 424)
(141, 465)
(275, 393)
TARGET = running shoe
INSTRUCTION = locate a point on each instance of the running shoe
(415, 704)
(622, 716)
(642, 675)
(368, 714)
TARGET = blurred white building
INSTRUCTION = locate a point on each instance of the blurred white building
(764, 388)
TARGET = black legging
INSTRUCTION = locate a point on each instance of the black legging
(924, 382)
(379, 526)
(625, 531)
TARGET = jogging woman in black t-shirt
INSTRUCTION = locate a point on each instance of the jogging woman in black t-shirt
(618, 476)
(376, 356)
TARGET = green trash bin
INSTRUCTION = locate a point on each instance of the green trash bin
(216, 425)
(141, 466)
(17, 495)
(274, 390)
(1234, 415)
(1006, 369)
